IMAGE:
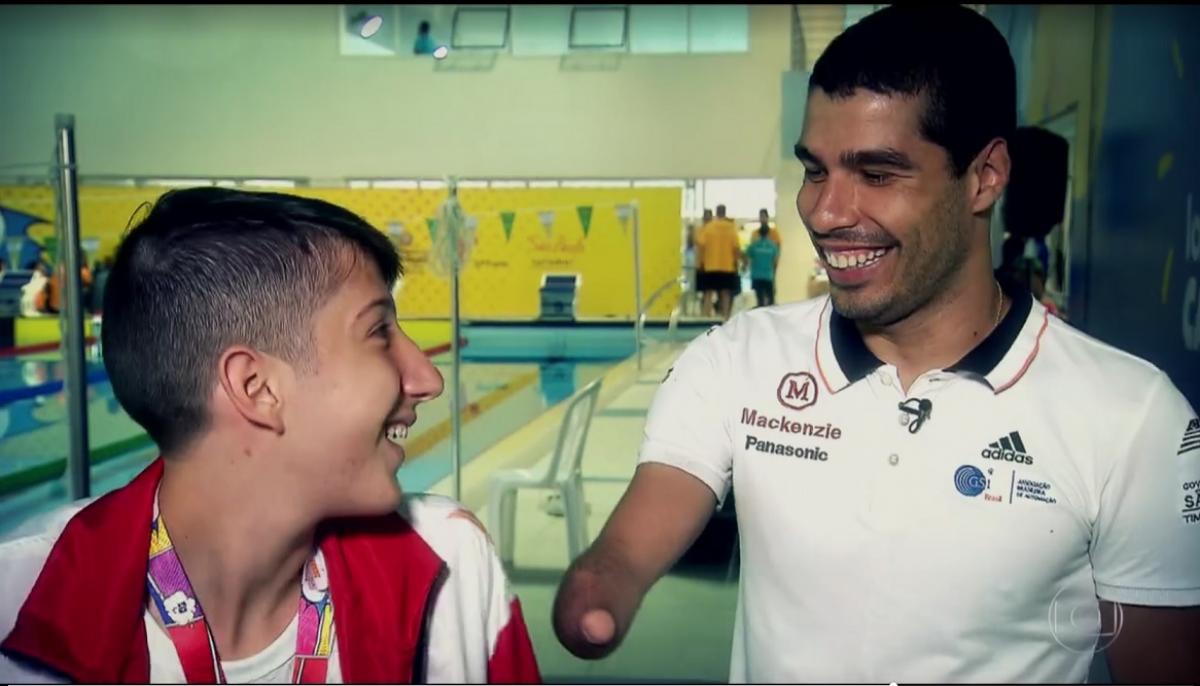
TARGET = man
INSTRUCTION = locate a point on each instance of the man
(764, 219)
(424, 44)
(719, 255)
(253, 337)
(936, 481)
(702, 284)
(763, 255)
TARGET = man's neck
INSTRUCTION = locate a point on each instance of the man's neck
(942, 332)
(243, 555)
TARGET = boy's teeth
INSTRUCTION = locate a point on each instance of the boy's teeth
(397, 433)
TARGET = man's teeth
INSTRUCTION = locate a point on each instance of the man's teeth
(846, 259)
(397, 433)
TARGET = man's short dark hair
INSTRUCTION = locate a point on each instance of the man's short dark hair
(209, 268)
(951, 55)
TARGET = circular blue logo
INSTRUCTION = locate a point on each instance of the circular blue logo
(970, 481)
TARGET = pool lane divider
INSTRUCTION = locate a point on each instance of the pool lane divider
(426, 440)
(53, 469)
(51, 346)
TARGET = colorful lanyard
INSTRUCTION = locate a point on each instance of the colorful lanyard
(184, 619)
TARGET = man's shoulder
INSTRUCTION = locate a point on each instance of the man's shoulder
(1103, 369)
(757, 331)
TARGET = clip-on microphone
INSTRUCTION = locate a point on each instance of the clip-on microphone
(922, 408)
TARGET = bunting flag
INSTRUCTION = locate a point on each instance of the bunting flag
(547, 219)
(506, 219)
(585, 218)
(623, 214)
(432, 224)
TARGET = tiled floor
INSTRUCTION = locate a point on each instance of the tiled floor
(684, 628)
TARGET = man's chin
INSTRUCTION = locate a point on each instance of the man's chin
(858, 305)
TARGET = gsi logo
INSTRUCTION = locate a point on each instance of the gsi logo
(797, 390)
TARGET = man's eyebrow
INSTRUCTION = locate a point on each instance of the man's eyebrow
(882, 157)
(805, 155)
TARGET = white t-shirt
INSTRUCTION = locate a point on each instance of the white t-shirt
(1052, 470)
(272, 665)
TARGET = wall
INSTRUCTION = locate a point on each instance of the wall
(1127, 75)
(262, 91)
(818, 24)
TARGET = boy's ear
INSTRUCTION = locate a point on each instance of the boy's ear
(252, 383)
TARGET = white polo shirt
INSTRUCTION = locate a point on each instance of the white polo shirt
(1052, 469)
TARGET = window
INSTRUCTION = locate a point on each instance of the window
(598, 28)
(480, 28)
(742, 198)
(658, 29)
(540, 30)
(718, 28)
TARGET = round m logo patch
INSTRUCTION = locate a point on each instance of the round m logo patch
(797, 390)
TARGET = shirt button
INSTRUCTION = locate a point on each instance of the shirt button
(905, 418)
(887, 380)
(893, 459)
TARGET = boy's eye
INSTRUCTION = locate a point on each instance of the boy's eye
(382, 330)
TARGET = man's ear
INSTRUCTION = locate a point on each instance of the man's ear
(252, 384)
(989, 176)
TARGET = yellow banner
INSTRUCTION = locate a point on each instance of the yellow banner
(503, 273)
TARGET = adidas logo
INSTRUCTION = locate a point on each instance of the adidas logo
(1009, 448)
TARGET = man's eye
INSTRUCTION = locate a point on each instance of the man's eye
(876, 178)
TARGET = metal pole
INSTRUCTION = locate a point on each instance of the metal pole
(637, 279)
(453, 227)
(78, 466)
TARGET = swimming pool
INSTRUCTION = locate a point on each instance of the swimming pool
(501, 391)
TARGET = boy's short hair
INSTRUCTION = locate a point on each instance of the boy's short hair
(208, 268)
(950, 55)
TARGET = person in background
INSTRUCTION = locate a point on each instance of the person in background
(54, 289)
(703, 287)
(720, 256)
(99, 281)
(764, 219)
(689, 268)
(763, 256)
(424, 45)
(33, 293)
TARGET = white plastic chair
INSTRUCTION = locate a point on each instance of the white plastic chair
(561, 473)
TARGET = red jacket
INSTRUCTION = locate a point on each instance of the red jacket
(383, 576)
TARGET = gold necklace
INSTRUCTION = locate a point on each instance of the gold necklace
(999, 303)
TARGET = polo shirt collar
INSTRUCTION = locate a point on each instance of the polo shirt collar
(999, 360)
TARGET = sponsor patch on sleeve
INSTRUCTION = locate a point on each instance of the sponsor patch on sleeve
(1191, 437)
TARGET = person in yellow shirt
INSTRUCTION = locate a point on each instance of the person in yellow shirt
(702, 288)
(719, 254)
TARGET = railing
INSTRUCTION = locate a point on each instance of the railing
(644, 308)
